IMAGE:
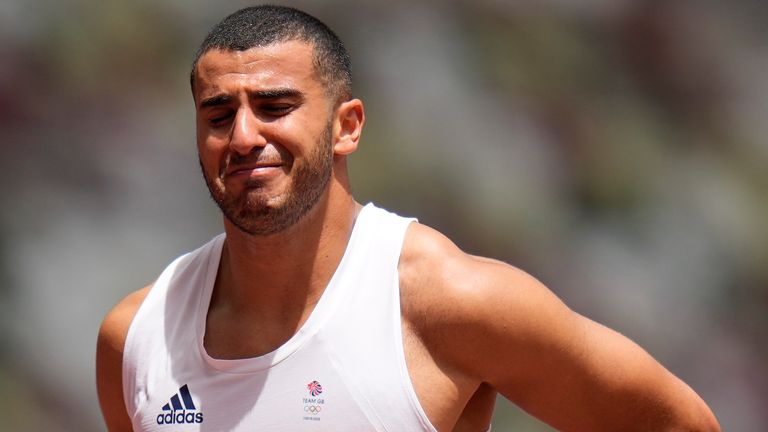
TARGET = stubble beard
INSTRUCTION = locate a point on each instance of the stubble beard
(257, 214)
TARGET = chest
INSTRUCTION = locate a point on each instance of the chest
(303, 392)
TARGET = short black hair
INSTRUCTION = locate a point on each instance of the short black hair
(259, 26)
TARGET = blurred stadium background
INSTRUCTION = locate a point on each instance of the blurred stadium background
(615, 149)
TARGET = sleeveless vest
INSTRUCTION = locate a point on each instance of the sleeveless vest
(343, 371)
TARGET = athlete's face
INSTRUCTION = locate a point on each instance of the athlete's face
(264, 134)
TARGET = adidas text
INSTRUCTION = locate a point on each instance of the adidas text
(179, 417)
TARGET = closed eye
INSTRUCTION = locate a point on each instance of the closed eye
(277, 109)
(221, 119)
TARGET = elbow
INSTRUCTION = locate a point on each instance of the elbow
(701, 419)
(707, 423)
(692, 413)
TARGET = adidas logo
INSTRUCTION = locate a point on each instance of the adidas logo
(177, 411)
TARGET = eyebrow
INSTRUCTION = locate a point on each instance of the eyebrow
(215, 101)
(277, 93)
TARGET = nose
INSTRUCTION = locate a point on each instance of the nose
(247, 132)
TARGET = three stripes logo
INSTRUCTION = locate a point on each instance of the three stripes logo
(180, 410)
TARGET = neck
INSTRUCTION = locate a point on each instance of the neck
(283, 275)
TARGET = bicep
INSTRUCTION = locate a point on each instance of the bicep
(109, 384)
(589, 377)
(109, 361)
(565, 369)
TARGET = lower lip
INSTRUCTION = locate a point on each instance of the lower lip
(260, 172)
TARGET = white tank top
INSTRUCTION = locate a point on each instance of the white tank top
(344, 370)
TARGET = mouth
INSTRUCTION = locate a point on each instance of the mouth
(260, 170)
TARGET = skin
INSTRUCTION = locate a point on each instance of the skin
(516, 337)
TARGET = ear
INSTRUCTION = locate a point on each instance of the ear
(348, 126)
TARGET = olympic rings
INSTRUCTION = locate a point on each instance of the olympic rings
(314, 409)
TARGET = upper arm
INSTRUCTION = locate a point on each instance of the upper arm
(573, 372)
(109, 360)
(501, 326)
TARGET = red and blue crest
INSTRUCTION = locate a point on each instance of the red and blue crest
(314, 388)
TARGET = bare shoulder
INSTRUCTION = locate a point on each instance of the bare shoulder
(496, 324)
(441, 280)
(488, 308)
(109, 359)
(114, 327)
(445, 289)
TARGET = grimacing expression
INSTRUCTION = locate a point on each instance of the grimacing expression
(264, 133)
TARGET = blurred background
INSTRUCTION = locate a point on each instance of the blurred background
(615, 149)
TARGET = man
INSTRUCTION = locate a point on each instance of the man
(313, 312)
